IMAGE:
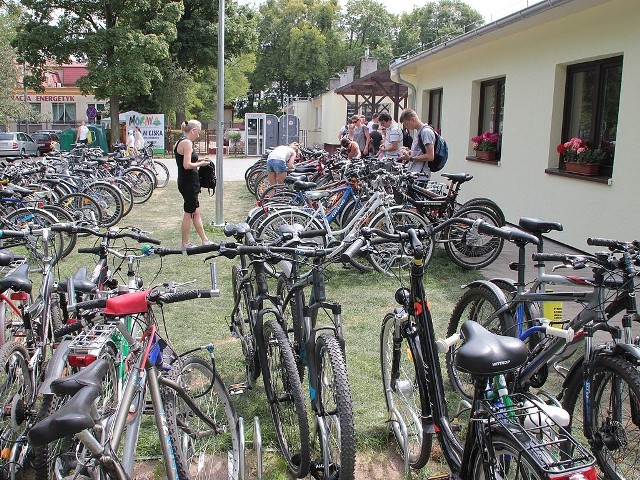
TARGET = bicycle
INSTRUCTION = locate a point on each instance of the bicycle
(611, 366)
(191, 405)
(319, 347)
(256, 320)
(508, 436)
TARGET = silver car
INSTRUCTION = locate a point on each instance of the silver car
(17, 143)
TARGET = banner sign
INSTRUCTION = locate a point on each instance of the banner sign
(151, 125)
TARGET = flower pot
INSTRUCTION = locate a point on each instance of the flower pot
(590, 169)
(486, 154)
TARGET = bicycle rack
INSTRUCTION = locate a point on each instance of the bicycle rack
(257, 445)
(395, 417)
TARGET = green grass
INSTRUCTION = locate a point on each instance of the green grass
(365, 299)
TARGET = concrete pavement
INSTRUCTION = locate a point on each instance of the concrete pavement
(233, 168)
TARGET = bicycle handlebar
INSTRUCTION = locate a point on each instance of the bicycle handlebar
(110, 234)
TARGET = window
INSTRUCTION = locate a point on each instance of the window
(491, 106)
(64, 112)
(591, 106)
(318, 118)
(435, 109)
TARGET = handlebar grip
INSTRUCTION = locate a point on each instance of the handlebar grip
(67, 329)
(567, 334)
(603, 242)
(210, 247)
(352, 250)
(312, 233)
(183, 296)
(90, 304)
(162, 251)
(549, 257)
(12, 234)
(145, 239)
(94, 250)
(447, 343)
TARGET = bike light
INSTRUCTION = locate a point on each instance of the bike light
(587, 474)
(79, 360)
(19, 296)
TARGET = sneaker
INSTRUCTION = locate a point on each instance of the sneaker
(207, 242)
(188, 245)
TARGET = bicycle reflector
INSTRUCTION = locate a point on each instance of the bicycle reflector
(19, 296)
(587, 474)
(80, 360)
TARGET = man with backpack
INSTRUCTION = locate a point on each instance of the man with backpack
(428, 151)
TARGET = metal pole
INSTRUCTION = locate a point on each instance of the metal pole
(219, 220)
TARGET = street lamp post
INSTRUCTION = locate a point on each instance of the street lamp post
(219, 220)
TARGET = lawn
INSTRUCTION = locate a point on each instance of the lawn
(365, 299)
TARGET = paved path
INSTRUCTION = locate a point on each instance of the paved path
(233, 168)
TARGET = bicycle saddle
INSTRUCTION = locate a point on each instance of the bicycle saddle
(485, 353)
(18, 280)
(304, 186)
(80, 282)
(457, 177)
(235, 229)
(535, 225)
(73, 417)
(90, 376)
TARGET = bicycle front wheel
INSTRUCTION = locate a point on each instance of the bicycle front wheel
(204, 434)
(268, 229)
(405, 391)
(615, 416)
(335, 398)
(161, 172)
(284, 392)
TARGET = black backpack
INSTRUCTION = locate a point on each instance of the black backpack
(207, 176)
(407, 139)
(440, 151)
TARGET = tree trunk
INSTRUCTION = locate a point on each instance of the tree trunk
(114, 113)
(181, 117)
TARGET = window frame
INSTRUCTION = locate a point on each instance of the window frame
(435, 98)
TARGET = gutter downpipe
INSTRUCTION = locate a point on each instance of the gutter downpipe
(531, 11)
(396, 77)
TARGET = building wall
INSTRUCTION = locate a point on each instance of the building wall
(533, 60)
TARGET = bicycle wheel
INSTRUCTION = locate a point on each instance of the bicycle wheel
(32, 246)
(486, 204)
(466, 247)
(615, 416)
(82, 207)
(241, 319)
(335, 397)
(509, 458)
(284, 391)
(110, 200)
(142, 183)
(63, 216)
(161, 173)
(292, 321)
(15, 397)
(268, 229)
(391, 258)
(405, 392)
(203, 437)
(127, 194)
(478, 304)
(261, 185)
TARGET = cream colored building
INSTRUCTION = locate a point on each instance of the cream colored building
(555, 70)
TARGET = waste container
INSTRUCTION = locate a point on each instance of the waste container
(67, 138)
(98, 137)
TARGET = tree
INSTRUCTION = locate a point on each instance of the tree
(123, 44)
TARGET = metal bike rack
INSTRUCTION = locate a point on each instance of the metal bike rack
(241, 453)
(395, 417)
(257, 444)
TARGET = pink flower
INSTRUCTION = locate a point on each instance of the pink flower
(580, 150)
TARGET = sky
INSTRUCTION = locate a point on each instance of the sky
(490, 9)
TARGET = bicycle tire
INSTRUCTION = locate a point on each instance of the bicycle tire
(142, 183)
(127, 194)
(477, 304)
(510, 461)
(412, 404)
(254, 177)
(292, 321)
(335, 397)
(286, 400)
(51, 456)
(487, 204)
(110, 200)
(16, 395)
(160, 172)
(242, 317)
(198, 439)
(391, 258)
(616, 439)
(268, 229)
(63, 216)
(82, 207)
(467, 248)
(274, 191)
(261, 185)
(21, 217)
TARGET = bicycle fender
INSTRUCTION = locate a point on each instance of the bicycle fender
(491, 286)
(575, 371)
(56, 366)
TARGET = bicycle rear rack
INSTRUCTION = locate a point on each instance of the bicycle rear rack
(93, 339)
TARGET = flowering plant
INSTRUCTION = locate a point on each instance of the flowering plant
(577, 150)
(486, 142)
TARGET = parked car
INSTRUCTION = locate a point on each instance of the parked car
(17, 143)
(44, 141)
(55, 132)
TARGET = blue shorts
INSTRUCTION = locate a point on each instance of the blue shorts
(276, 166)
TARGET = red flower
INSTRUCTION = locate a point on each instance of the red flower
(561, 148)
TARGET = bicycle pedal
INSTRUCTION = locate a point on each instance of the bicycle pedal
(440, 476)
(237, 388)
